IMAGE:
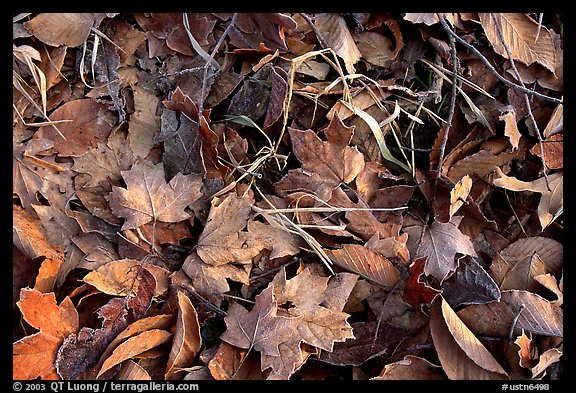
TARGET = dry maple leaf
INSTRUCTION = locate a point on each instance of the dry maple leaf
(260, 328)
(148, 197)
(222, 240)
(440, 243)
(34, 355)
(325, 165)
(319, 321)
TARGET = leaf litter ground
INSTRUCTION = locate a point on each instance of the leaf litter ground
(288, 196)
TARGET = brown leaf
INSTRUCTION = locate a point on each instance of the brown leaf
(148, 197)
(519, 32)
(470, 284)
(45, 177)
(459, 194)
(375, 48)
(440, 243)
(135, 346)
(267, 28)
(281, 243)
(144, 122)
(337, 36)
(105, 163)
(212, 281)
(222, 240)
(533, 313)
(260, 328)
(521, 275)
(231, 363)
(550, 283)
(91, 123)
(131, 371)
(162, 322)
(317, 323)
(511, 128)
(55, 29)
(551, 203)
(33, 356)
(553, 151)
(187, 340)
(550, 251)
(556, 122)
(549, 357)
(80, 352)
(525, 351)
(365, 262)
(461, 354)
(371, 339)
(29, 237)
(411, 368)
(182, 144)
(119, 278)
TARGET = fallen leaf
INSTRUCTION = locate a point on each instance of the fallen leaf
(525, 352)
(549, 357)
(365, 262)
(144, 122)
(519, 32)
(135, 346)
(461, 354)
(105, 163)
(212, 280)
(375, 48)
(549, 251)
(182, 144)
(187, 340)
(281, 243)
(511, 128)
(34, 355)
(131, 371)
(149, 197)
(318, 324)
(55, 29)
(337, 36)
(119, 278)
(470, 284)
(521, 275)
(459, 194)
(223, 240)
(440, 243)
(531, 312)
(80, 351)
(551, 202)
(91, 124)
(416, 291)
(411, 368)
(261, 328)
(231, 363)
(267, 28)
(550, 282)
(556, 122)
(371, 340)
(553, 151)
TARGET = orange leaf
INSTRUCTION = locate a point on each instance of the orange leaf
(187, 338)
(55, 29)
(135, 346)
(34, 355)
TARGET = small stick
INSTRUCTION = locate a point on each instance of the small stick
(514, 322)
(315, 29)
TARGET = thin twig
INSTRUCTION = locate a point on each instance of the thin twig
(452, 107)
(493, 70)
(315, 30)
(526, 100)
